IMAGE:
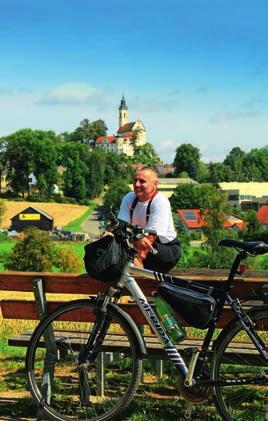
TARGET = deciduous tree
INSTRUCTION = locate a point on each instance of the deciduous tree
(88, 132)
(187, 159)
(114, 196)
(34, 253)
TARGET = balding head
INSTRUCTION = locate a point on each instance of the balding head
(145, 183)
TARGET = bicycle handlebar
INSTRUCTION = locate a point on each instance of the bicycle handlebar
(128, 231)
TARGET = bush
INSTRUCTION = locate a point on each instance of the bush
(67, 261)
(34, 253)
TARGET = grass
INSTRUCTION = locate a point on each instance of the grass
(155, 401)
(76, 224)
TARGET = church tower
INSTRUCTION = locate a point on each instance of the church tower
(123, 112)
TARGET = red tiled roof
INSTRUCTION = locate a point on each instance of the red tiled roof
(126, 127)
(262, 214)
(101, 139)
(193, 219)
(196, 221)
(240, 225)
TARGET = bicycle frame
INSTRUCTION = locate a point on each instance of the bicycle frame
(131, 285)
(128, 281)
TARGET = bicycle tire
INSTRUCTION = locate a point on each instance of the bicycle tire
(243, 402)
(76, 392)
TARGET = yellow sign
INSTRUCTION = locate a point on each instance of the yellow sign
(29, 217)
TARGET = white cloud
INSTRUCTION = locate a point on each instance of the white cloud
(71, 94)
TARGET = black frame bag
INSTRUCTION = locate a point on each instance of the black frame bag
(196, 308)
(105, 259)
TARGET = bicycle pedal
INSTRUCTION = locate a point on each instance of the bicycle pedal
(188, 410)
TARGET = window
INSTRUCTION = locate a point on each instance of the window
(190, 216)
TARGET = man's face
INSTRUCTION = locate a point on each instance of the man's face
(145, 184)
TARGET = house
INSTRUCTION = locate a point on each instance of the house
(32, 217)
(244, 195)
(167, 186)
(193, 221)
(262, 216)
(128, 136)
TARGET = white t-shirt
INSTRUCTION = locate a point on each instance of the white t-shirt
(160, 218)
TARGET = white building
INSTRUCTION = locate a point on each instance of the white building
(129, 134)
(242, 195)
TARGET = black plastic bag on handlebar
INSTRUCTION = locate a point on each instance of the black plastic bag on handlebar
(105, 258)
(195, 307)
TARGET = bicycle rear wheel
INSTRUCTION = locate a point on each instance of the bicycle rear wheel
(97, 390)
(242, 402)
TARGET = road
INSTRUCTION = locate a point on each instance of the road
(92, 224)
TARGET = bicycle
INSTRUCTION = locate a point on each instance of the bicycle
(65, 373)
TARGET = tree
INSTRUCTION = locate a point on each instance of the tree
(114, 196)
(191, 196)
(34, 253)
(252, 229)
(187, 159)
(88, 132)
(185, 196)
(235, 161)
(30, 151)
(45, 163)
(146, 155)
(114, 165)
(95, 163)
(215, 215)
(256, 165)
(74, 157)
(218, 172)
(20, 157)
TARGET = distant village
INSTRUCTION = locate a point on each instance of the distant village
(242, 196)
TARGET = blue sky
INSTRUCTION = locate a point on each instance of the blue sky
(193, 71)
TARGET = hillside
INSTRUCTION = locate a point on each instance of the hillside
(61, 212)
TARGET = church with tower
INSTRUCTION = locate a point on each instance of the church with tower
(129, 134)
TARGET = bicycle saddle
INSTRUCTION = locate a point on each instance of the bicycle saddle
(252, 247)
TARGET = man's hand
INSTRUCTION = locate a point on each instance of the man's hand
(144, 246)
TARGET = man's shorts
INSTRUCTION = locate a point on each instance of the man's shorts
(167, 256)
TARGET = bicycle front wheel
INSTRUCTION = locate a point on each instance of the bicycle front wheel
(237, 360)
(101, 387)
